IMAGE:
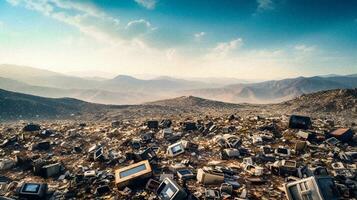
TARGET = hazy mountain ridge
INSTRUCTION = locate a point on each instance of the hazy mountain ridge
(276, 91)
(90, 95)
(163, 84)
(44, 78)
(17, 105)
(125, 89)
(22, 106)
(119, 90)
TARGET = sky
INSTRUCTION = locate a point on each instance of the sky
(246, 39)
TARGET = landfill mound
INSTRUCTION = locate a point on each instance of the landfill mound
(184, 151)
(342, 100)
(191, 101)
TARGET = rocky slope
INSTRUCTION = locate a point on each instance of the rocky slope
(338, 102)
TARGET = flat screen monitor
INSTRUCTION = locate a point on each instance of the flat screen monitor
(99, 152)
(132, 171)
(282, 151)
(168, 192)
(176, 149)
(185, 172)
(31, 188)
(290, 163)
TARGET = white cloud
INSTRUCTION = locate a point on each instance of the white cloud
(265, 5)
(101, 43)
(78, 15)
(149, 4)
(224, 48)
(140, 21)
(199, 35)
(304, 48)
(138, 27)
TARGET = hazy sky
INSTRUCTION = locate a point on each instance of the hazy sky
(257, 39)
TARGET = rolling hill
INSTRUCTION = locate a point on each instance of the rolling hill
(22, 106)
(333, 101)
(44, 78)
(191, 101)
(275, 91)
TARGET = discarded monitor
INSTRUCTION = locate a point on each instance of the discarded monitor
(316, 188)
(153, 124)
(6, 164)
(147, 154)
(31, 127)
(306, 135)
(165, 123)
(212, 194)
(189, 145)
(232, 141)
(267, 150)
(284, 168)
(167, 133)
(132, 173)
(256, 139)
(300, 146)
(152, 185)
(254, 170)
(320, 171)
(299, 122)
(282, 151)
(98, 154)
(115, 124)
(332, 142)
(170, 190)
(90, 173)
(101, 190)
(248, 161)
(226, 188)
(189, 126)
(342, 134)
(135, 143)
(185, 174)
(174, 167)
(175, 149)
(209, 177)
(33, 191)
(230, 153)
(42, 146)
(46, 133)
(51, 170)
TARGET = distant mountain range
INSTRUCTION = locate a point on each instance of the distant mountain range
(120, 90)
(15, 106)
(129, 90)
(276, 91)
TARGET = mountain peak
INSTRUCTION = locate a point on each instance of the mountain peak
(191, 101)
(124, 77)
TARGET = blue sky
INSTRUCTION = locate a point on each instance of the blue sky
(250, 39)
